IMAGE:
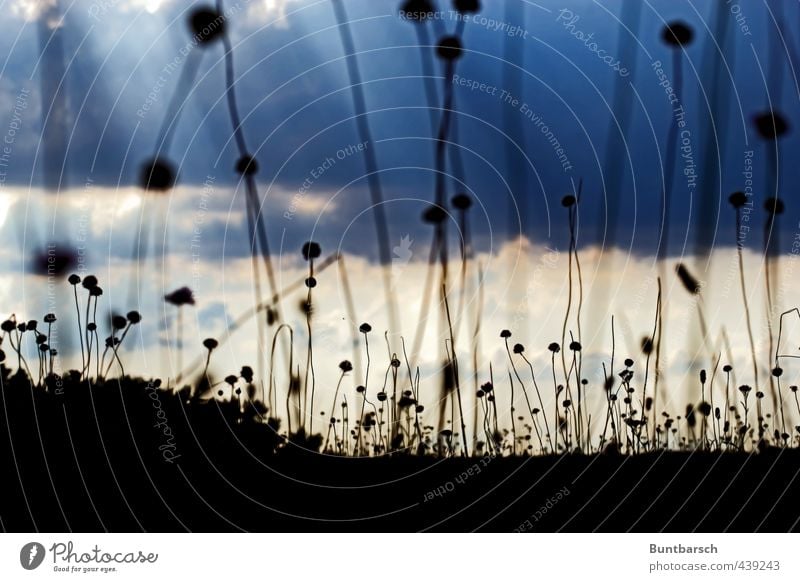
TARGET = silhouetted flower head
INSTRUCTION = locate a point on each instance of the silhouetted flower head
(771, 125)
(759, 395)
(487, 387)
(462, 201)
(49, 318)
(8, 325)
(568, 201)
(677, 34)
(247, 374)
(449, 48)
(92, 326)
(345, 366)
(96, 291)
(74, 279)
(434, 215)
(744, 388)
(311, 282)
(554, 347)
(247, 165)
(575, 346)
(467, 6)
(519, 348)
(777, 372)
(691, 284)
(231, 379)
(311, 250)
(119, 321)
(703, 376)
(382, 396)
(89, 282)
(32, 325)
(647, 345)
(22, 327)
(206, 25)
(210, 343)
(505, 334)
(628, 362)
(417, 9)
(727, 368)
(157, 174)
(360, 389)
(180, 297)
(365, 328)
(774, 205)
(738, 199)
(134, 317)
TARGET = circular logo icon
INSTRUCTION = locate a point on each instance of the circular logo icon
(31, 555)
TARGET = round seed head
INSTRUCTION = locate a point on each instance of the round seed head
(462, 201)
(774, 205)
(434, 215)
(449, 48)
(677, 34)
(467, 6)
(417, 10)
(157, 175)
(89, 282)
(311, 250)
(738, 199)
(206, 25)
(247, 165)
(771, 125)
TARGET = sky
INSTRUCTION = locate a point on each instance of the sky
(547, 96)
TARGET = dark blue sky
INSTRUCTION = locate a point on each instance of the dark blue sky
(293, 94)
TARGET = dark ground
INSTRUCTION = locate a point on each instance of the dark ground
(89, 460)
